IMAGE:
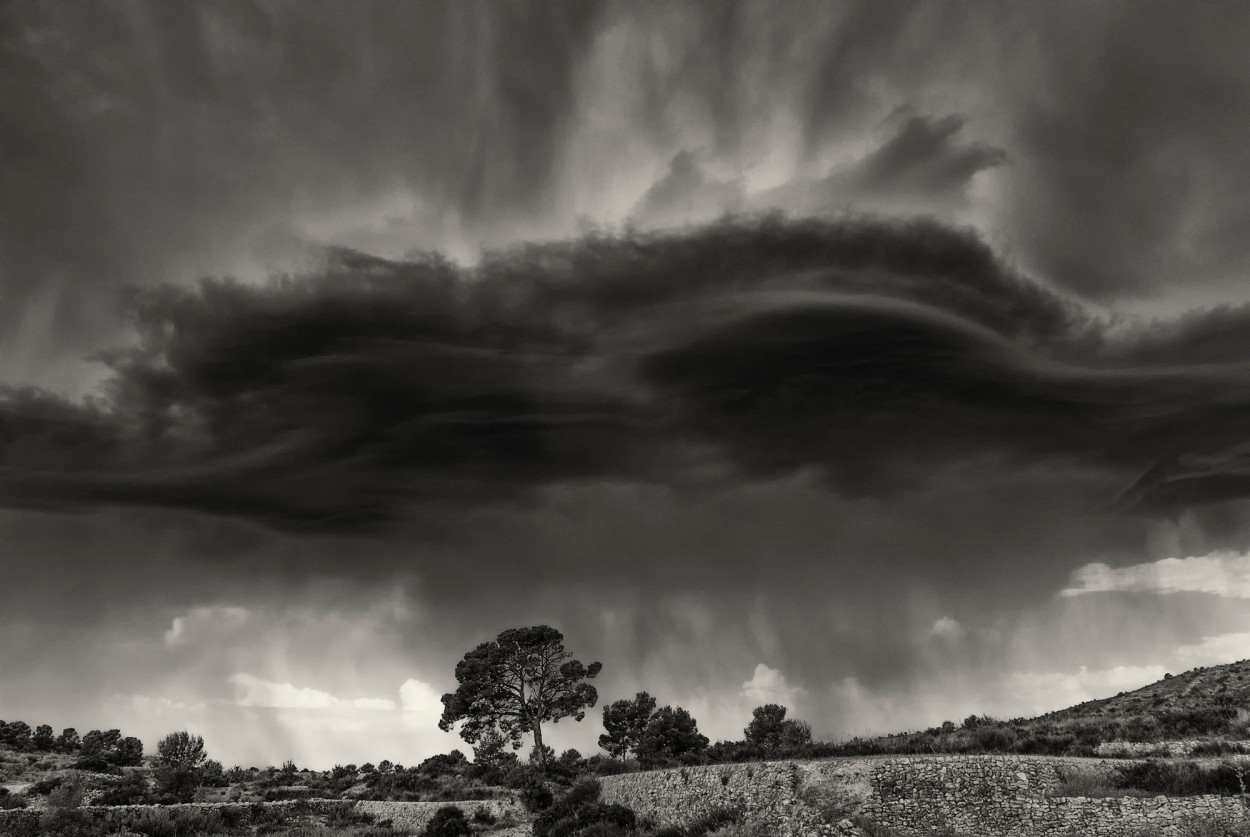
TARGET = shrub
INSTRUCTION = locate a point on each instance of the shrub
(45, 786)
(579, 811)
(483, 816)
(96, 764)
(531, 790)
(448, 821)
(605, 829)
(176, 784)
(594, 817)
(64, 822)
(1220, 748)
(1089, 783)
(1180, 778)
(131, 790)
(715, 820)
(9, 801)
(67, 794)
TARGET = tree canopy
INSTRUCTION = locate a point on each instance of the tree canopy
(515, 683)
(770, 729)
(181, 750)
(625, 722)
(671, 733)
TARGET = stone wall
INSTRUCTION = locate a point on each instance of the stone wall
(990, 796)
(406, 817)
(764, 790)
(1011, 796)
(413, 816)
(13, 821)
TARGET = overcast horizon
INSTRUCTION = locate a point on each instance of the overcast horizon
(887, 361)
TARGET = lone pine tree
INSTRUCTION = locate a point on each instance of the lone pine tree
(517, 682)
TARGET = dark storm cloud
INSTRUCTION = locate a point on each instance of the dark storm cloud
(1131, 124)
(160, 142)
(157, 141)
(875, 352)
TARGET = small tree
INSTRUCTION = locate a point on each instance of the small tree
(181, 749)
(68, 741)
(43, 740)
(448, 821)
(670, 734)
(625, 721)
(766, 725)
(180, 759)
(16, 734)
(129, 752)
(795, 733)
(522, 679)
(490, 751)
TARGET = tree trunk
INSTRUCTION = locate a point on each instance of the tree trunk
(538, 745)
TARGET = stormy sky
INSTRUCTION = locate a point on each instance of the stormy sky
(888, 361)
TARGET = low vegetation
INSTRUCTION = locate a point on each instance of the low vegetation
(64, 772)
(1155, 777)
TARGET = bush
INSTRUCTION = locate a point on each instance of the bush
(346, 816)
(531, 790)
(1090, 783)
(719, 819)
(96, 764)
(448, 821)
(45, 786)
(594, 817)
(605, 829)
(1220, 748)
(64, 822)
(67, 794)
(579, 812)
(176, 784)
(10, 801)
(131, 790)
(1180, 778)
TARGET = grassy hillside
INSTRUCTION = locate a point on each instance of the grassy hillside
(1211, 704)
(1217, 690)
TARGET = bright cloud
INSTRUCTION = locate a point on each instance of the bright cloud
(768, 685)
(1224, 574)
(420, 699)
(1215, 650)
(252, 691)
(947, 628)
(1038, 692)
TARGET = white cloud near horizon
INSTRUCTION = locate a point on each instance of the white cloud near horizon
(253, 691)
(1222, 573)
(420, 698)
(1037, 692)
(768, 685)
(1215, 650)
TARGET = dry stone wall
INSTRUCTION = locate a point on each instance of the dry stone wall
(765, 791)
(1011, 796)
(405, 817)
(988, 796)
(413, 816)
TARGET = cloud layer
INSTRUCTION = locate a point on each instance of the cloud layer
(874, 352)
